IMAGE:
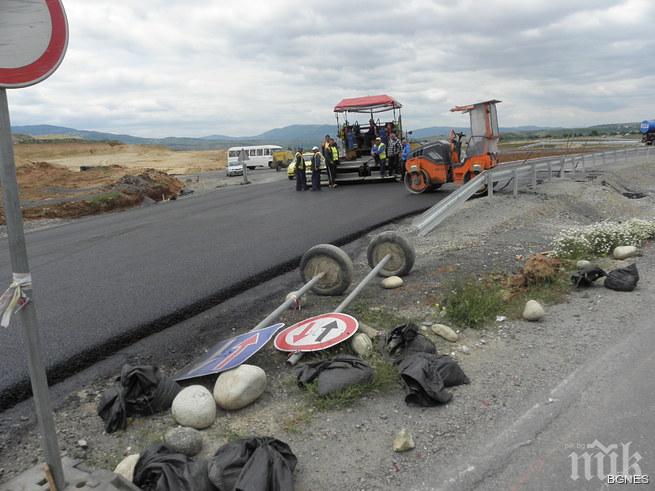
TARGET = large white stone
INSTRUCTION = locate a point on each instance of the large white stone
(445, 332)
(187, 441)
(239, 387)
(624, 252)
(126, 466)
(392, 282)
(195, 407)
(582, 263)
(362, 344)
(533, 311)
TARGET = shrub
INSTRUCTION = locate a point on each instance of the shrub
(600, 239)
(473, 303)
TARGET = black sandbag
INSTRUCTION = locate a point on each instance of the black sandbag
(142, 390)
(426, 375)
(623, 279)
(586, 276)
(335, 374)
(404, 340)
(161, 469)
(253, 464)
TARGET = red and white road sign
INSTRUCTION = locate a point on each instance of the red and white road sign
(33, 40)
(317, 333)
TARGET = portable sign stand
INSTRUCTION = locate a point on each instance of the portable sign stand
(33, 41)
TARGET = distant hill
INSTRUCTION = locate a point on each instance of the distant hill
(307, 135)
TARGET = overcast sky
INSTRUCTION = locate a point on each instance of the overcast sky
(200, 67)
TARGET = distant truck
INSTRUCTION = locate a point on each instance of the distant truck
(647, 129)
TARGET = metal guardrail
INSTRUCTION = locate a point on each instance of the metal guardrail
(524, 173)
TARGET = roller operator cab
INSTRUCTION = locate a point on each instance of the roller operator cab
(436, 163)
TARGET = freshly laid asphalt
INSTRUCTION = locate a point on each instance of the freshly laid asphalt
(102, 282)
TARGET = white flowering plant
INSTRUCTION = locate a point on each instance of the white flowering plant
(600, 239)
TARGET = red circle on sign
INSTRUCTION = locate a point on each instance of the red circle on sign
(48, 62)
(287, 340)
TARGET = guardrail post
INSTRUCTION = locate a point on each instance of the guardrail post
(573, 166)
(534, 177)
(561, 167)
(550, 171)
(584, 171)
(626, 155)
(593, 160)
(515, 179)
(490, 184)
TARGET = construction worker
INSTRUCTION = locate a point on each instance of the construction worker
(326, 152)
(334, 149)
(379, 152)
(301, 179)
(316, 169)
(395, 148)
(403, 158)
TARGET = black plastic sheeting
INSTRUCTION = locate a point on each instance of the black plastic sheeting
(335, 374)
(248, 464)
(586, 276)
(141, 390)
(623, 279)
(161, 469)
(253, 464)
(405, 340)
(426, 376)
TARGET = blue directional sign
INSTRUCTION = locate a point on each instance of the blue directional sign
(230, 353)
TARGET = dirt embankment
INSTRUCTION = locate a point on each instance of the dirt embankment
(53, 191)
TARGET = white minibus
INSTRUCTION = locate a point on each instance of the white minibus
(258, 156)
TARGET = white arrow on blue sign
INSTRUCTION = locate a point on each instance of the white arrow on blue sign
(230, 353)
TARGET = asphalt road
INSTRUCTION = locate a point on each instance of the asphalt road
(102, 282)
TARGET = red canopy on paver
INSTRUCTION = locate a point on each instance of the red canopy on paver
(375, 103)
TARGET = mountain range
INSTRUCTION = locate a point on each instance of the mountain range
(289, 136)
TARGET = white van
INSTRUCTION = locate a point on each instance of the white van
(258, 156)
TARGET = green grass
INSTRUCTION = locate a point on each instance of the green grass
(386, 378)
(472, 303)
(105, 200)
(550, 293)
(379, 318)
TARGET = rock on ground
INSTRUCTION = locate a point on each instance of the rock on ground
(403, 441)
(187, 441)
(239, 387)
(392, 282)
(362, 344)
(195, 407)
(533, 311)
(624, 252)
(445, 332)
(126, 466)
(582, 263)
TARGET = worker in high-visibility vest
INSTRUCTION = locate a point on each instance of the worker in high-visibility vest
(316, 170)
(331, 161)
(301, 179)
(379, 152)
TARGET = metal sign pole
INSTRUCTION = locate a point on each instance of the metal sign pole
(27, 315)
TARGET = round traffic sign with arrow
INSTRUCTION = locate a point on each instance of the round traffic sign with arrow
(317, 333)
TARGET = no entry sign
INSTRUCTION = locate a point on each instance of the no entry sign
(33, 40)
(230, 353)
(317, 333)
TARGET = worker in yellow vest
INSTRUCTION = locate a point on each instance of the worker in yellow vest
(379, 152)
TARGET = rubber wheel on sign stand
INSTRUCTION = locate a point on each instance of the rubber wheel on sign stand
(402, 254)
(328, 259)
(417, 182)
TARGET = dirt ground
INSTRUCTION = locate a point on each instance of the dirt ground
(72, 155)
(347, 444)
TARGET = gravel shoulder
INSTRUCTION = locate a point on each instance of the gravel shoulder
(511, 364)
